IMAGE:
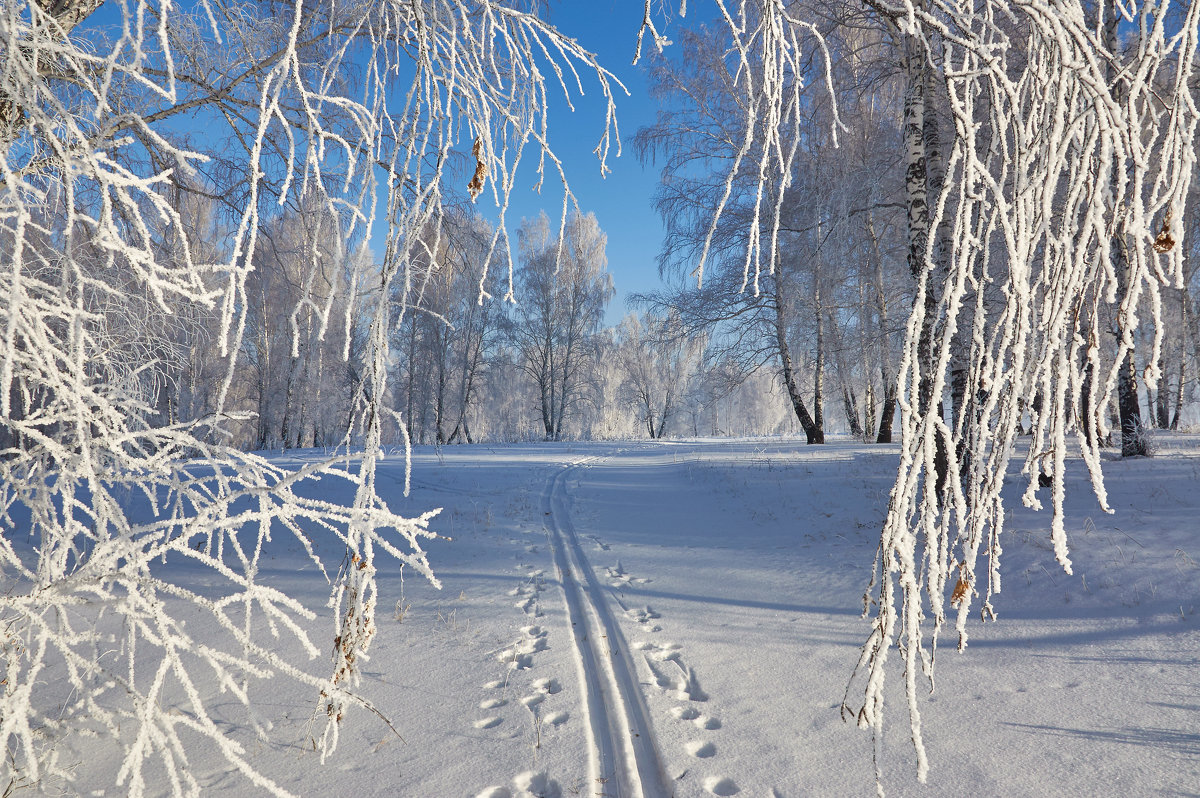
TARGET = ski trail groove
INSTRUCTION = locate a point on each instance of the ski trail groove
(623, 759)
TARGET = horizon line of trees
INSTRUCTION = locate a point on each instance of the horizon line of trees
(818, 336)
(813, 352)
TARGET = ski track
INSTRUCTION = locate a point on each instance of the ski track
(623, 758)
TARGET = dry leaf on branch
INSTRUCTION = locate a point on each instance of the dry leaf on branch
(475, 187)
(1163, 242)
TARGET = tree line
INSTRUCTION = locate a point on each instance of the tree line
(468, 365)
(812, 344)
(958, 222)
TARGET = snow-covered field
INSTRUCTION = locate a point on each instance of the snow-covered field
(680, 619)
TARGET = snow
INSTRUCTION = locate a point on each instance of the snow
(681, 618)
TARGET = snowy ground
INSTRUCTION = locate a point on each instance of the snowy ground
(681, 618)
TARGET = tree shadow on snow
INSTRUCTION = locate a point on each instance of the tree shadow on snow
(1179, 742)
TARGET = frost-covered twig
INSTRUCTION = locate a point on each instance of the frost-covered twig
(1064, 152)
(357, 111)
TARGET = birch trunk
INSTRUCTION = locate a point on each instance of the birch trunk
(812, 433)
(819, 370)
(1184, 335)
(887, 374)
(936, 179)
(1128, 407)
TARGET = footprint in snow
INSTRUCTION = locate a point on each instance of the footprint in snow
(642, 616)
(532, 701)
(528, 592)
(666, 665)
(701, 749)
(684, 713)
(688, 687)
(536, 785)
(557, 718)
(721, 785)
(645, 618)
(535, 639)
(661, 677)
(519, 656)
(617, 577)
(492, 703)
(516, 660)
(548, 686)
(487, 723)
(707, 722)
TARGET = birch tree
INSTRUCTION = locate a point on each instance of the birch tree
(1066, 155)
(564, 289)
(1033, 207)
(714, 218)
(659, 360)
(446, 340)
(362, 108)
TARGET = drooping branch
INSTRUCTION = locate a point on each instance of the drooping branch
(356, 111)
(1035, 214)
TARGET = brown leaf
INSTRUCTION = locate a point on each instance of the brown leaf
(960, 592)
(475, 187)
(1163, 242)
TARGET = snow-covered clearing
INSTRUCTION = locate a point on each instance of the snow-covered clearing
(680, 619)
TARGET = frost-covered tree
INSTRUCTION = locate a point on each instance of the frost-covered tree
(564, 287)
(834, 274)
(376, 114)
(294, 385)
(1064, 154)
(659, 360)
(446, 338)
(1058, 200)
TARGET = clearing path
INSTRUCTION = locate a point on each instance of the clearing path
(622, 754)
(678, 620)
(735, 571)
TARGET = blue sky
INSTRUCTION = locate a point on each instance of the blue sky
(622, 201)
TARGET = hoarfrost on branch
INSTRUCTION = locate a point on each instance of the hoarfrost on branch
(357, 108)
(1073, 152)
(1064, 194)
(1064, 185)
